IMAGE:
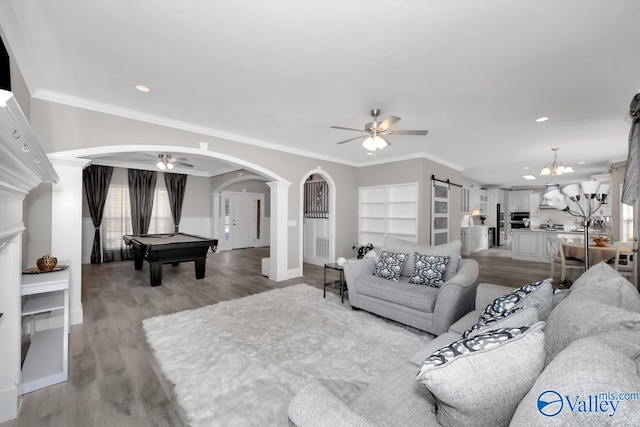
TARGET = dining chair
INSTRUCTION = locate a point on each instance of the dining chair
(624, 262)
(556, 256)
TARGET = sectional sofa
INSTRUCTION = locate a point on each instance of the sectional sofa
(552, 358)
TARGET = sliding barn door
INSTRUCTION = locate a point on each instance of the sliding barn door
(439, 213)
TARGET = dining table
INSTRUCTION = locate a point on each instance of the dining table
(596, 253)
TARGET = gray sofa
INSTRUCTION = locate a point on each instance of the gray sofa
(426, 308)
(583, 366)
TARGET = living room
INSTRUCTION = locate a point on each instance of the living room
(268, 133)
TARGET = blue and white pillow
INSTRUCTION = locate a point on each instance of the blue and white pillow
(509, 319)
(429, 270)
(390, 265)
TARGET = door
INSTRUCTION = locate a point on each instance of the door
(242, 217)
(439, 213)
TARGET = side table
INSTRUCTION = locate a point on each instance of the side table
(334, 266)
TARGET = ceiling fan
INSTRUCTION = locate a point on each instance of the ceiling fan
(375, 130)
(167, 161)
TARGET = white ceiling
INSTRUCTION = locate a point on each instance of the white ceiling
(475, 73)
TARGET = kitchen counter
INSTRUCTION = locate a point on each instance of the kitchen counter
(531, 244)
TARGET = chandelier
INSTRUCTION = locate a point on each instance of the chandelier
(555, 168)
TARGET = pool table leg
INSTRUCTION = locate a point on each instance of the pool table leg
(200, 265)
(137, 260)
(155, 271)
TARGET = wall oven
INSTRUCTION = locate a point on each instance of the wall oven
(517, 219)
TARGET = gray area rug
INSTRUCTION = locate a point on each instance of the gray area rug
(240, 362)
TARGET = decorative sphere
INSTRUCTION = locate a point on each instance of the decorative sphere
(340, 261)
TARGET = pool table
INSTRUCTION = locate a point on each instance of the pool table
(172, 248)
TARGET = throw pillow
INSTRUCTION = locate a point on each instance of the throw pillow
(390, 265)
(480, 381)
(515, 318)
(430, 270)
(451, 249)
(539, 294)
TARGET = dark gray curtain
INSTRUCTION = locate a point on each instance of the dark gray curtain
(631, 186)
(175, 183)
(142, 186)
(95, 180)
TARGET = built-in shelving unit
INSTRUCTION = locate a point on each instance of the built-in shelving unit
(388, 210)
(46, 362)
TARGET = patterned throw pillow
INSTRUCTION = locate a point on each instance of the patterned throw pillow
(480, 381)
(390, 265)
(469, 345)
(509, 319)
(517, 299)
(429, 270)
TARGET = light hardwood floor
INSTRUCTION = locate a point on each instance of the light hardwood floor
(114, 379)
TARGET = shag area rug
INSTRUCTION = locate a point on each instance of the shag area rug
(240, 362)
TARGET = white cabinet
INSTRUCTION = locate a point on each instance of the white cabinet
(46, 362)
(474, 239)
(534, 204)
(520, 201)
(465, 201)
(388, 210)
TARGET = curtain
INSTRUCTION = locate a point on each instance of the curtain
(175, 183)
(142, 185)
(95, 180)
(631, 186)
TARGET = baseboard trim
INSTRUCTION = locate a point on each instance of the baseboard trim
(9, 403)
(76, 316)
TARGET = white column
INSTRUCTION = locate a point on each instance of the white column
(10, 325)
(66, 226)
(279, 230)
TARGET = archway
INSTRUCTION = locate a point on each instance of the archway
(279, 193)
(333, 209)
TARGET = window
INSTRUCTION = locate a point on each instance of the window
(116, 220)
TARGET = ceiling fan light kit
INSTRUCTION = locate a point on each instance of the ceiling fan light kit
(374, 131)
(168, 162)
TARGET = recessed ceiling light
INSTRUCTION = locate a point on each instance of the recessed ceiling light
(369, 153)
(581, 163)
(526, 168)
(528, 176)
(542, 119)
(143, 88)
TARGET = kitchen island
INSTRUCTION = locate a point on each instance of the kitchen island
(531, 244)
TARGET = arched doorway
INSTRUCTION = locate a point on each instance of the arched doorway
(317, 216)
(279, 193)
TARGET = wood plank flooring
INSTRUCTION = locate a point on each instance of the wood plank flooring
(114, 379)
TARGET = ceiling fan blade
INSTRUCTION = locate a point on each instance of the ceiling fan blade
(387, 122)
(351, 139)
(183, 164)
(151, 155)
(343, 128)
(407, 132)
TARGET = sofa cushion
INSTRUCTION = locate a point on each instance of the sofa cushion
(420, 298)
(451, 249)
(429, 269)
(607, 363)
(485, 377)
(611, 289)
(539, 294)
(390, 265)
(515, 318)
(597, 273)
(582, 314)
